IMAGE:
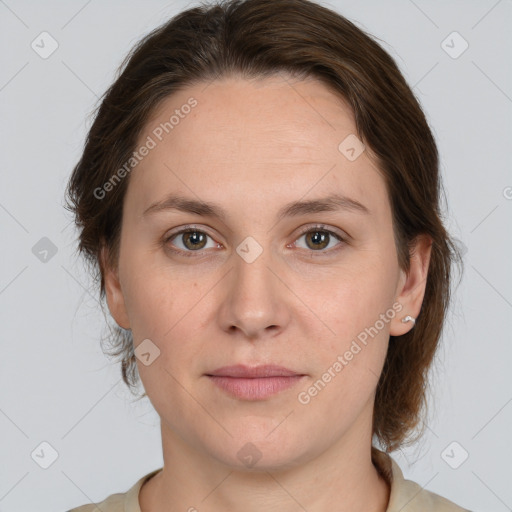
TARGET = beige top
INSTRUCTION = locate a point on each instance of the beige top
(406, 496)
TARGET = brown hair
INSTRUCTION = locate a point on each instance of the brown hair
(258, 38)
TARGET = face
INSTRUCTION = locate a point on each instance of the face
(314, 288)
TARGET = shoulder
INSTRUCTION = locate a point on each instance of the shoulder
(406, 495)
(413, 498)
(114, 503)
(120, 502)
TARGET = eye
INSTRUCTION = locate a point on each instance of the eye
(189, 240)
(319, 238)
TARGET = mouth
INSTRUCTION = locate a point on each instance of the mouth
(254, 383)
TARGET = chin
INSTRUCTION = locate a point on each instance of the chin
(261, 449)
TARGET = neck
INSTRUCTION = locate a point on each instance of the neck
(342, 478)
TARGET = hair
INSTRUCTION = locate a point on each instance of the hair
(257, 39)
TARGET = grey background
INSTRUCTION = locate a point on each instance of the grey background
(58, 387)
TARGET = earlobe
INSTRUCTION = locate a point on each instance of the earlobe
(412, 286)
(113, 292)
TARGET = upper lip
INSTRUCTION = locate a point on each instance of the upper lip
(252, 372)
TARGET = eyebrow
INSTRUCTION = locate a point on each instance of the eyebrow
(333, 202)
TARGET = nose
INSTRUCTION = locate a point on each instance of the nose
(255, 301)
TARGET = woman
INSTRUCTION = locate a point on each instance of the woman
(260, 195)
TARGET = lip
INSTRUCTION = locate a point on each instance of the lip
(254, 383)
(252, 372)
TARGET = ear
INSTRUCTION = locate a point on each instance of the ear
(411, 286)
(113, 291)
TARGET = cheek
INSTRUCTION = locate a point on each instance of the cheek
(347, 363)
(354, 297)
(149, 305)
(166, 307)
(154, 295)
(356, 304)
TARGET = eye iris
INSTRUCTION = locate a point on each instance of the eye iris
(320, 239)
(195, 238)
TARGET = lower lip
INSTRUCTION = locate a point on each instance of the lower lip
(255, 388)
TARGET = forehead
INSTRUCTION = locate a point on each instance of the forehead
(264, 137)
(274, 114)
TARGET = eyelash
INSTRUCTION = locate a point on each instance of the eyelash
(317, 227)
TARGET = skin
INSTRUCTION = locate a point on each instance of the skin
(252, 147)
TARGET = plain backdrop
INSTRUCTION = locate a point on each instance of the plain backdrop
(56, 385)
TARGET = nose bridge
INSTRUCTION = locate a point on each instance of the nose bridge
(251, 273)
(253, 303)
